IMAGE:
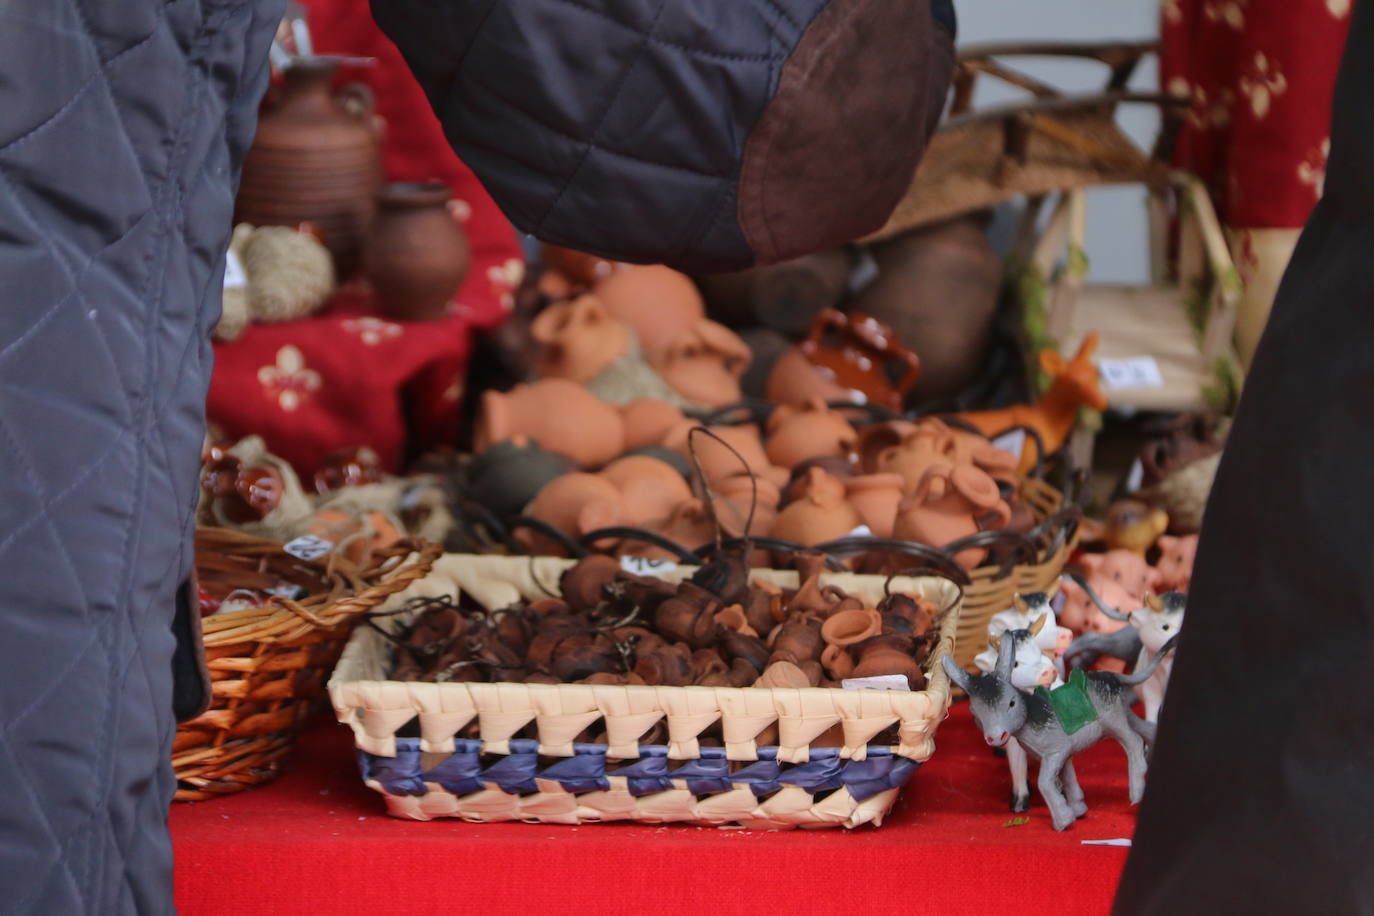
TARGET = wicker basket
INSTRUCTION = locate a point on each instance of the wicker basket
(799, 782)
(268, 664)
(994, 587)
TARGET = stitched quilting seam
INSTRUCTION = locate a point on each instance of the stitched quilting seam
(653, 39)
(601, 121)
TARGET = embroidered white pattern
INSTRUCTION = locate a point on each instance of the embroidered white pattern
(289, 381)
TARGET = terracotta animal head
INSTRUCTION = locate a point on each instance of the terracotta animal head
(1075, 379)
(578, 339)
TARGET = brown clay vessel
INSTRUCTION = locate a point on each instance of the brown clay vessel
(560, 415)
(578, 339)
(416, 255)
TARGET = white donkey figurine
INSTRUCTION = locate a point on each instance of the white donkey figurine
(1003, 712)
(1024, 611)
(1030, 668)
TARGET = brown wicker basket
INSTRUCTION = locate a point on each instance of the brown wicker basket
(268, 665)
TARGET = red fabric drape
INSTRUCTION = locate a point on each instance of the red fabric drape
(1260, 75)
(348, 376)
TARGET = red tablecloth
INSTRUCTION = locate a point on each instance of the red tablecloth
(318, 842)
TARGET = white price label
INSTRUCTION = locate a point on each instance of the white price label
(234, 277)
(863, 531)
(309, 547)
(881, 682)
(1014, 442)
(1132, 372)
(643, 566)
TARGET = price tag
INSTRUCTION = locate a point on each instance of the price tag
(863, 531)
(234, 277)
(643, 566)
(1014, 442)
(309, 547)
(881, 682)
(1132, 372)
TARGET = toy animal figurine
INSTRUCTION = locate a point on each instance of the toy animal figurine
(1158, 622)
(1074, 384)
(1024, 612)
(1132, 525)
(1029, 669)
(1034, 720)
(1175, 566)
(1126, 568)
(1085, 600)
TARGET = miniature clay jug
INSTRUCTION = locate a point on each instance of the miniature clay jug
(819, 514)
(876, 497)
(647, 422)
(888, 655)
(576, 504)
(719, 461)
(316, 159)
(650, 489)
(860, 355)
(688, 525)
(578, 339)
(659, 303)
(510, 473)
(416, 254)
(846, 628)
(735, 495)
(949, 504)
(560, 415)
(923, 446)
(796, 433)
(794, 380)
(704, 364)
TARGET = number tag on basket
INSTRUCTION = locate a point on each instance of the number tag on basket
(863, 531)
(308, 547)
(1014, 442)
(1132, 372)
(643, 566)
(881, 682)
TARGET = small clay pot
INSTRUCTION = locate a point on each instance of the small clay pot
(352, 467)
(848, 627)
(690, 622)
(718, 461)
(576, 504)
(706, 662)
(704, 364)
(887, 655)
(948, 505)
(650, 490)
(583, 585)
(734, 498)
(647, 422)
(783, 674)
(416, 255)
(739, 645)
(794, 380)
(841, 468)
(742, 673)
(507, 475)
(579, 339)
(583, 655)
(560, 415)
(819, 514)
(797, 642)
(659, 303)
(760, 608)
(733, 619)
(876, 497)
(666, 666)
(811, 430)
(837, 661)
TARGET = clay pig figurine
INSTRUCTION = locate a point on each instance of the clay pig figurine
(1175, 566)
(1126, 568)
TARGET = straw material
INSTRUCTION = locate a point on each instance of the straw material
(268, 664)
(805, 780)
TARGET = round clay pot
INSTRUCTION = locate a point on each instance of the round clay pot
(561, 415)
(796, 642)
(886, 655)
(876, 497)
(578, 503)
(926, 444)
(947, 506)
(416, 255)
(659, 303)
(315, 159)
(690, 622)
(688, 525)
(579, 339)
(647, 422)
(796, 433)
(784, 297)
(650, 489)
(583, 585)
(783, 674)
(734, 496)
(937, 288)
(794, 380)
(718, 461)
(704, 364)
(837, 661)
(664, 454)
(841, 468)
(845, 628)
(507, 475)
(820, 514)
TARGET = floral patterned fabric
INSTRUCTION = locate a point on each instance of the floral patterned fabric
(348, 376)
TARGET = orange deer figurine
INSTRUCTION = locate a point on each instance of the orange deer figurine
(1074, 383)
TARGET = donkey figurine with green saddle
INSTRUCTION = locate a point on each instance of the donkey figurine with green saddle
(1054, 726)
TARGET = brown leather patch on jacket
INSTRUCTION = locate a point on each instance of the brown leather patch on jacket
(837, 146)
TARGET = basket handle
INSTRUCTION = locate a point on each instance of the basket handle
(939, 561)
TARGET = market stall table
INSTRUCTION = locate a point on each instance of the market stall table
(318, 841)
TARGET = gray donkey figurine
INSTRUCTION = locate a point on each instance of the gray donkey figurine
(1003, 712)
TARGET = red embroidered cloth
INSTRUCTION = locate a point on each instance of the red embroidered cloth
(346, 376)
(1260, 76)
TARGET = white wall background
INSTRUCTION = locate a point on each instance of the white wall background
(1117, 244)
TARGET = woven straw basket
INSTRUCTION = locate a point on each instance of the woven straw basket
(552, 779)
(994, 587)
(268, 664)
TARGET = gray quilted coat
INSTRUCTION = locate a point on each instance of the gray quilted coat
(122, 123)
